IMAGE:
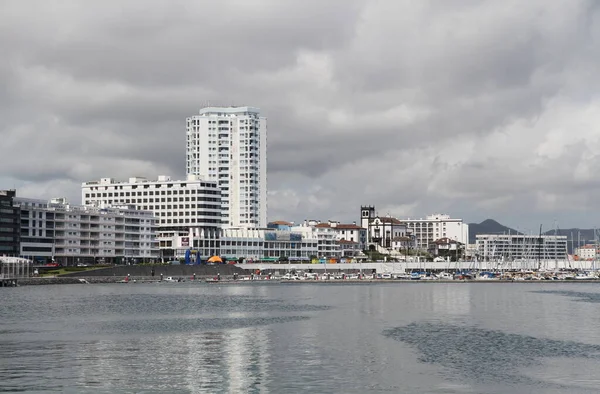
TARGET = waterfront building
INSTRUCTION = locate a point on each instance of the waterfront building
(435, 227)
(228, 145)
(9, 224)
(351, 238)
(269, 244)
(587, 252)
(37, 229)
(509, 247)
(446, 247)
(328, 245)
(306, 242)
(382, 231)
(183, 208)
(74, 234)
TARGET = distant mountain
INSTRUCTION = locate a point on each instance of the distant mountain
(488, 226)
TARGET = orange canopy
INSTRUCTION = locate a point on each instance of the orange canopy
(215, 259)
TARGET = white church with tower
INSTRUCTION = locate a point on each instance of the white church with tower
(384, 232)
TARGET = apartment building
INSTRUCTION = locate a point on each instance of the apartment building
(9, 224)
(434, 227)
(228, 145)
(351, 238)
(74, 234)
(521, 247)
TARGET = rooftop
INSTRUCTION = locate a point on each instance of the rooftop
(228, 110)
(281, 223)
(140, 179)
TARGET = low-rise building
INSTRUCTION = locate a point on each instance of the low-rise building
(293, 244)
(587, 252)
(510, 247)
(351, 238)
(403, 243)
(446, 247)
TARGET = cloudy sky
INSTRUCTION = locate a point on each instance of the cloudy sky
(473, 108)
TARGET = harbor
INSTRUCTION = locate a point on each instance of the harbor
(18, 271)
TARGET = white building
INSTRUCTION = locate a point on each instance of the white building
(437, 226)
(446, 247)
(73, 234)
(352, 239)
(228, 145)
(269, 245)
(384, 231)
(328, 245)
(183, 208)
(521, 247)
(586, 252)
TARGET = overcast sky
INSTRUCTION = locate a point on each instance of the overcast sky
(473, 108)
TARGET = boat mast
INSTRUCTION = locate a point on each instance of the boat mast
(555, 243)
(540, 249)
(595, 249)
(572, 249)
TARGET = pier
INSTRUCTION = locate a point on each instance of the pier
(7, 282)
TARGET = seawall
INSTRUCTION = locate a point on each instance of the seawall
(139, 271)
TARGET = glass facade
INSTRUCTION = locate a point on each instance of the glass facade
(10, 224)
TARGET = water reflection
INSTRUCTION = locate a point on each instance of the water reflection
(450, 299)
(234, 360)
(141, 342)
(494, 338)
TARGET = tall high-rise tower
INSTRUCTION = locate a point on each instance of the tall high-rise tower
(229, 145)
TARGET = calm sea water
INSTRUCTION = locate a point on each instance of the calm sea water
(290, 338)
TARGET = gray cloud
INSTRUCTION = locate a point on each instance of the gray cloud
(475, 108)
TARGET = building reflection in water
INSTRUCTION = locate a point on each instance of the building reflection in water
(234, 360)
(452, 299)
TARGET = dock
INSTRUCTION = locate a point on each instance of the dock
(12, 269)
(9, 282)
